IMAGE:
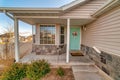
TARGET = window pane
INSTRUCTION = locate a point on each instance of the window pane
(62, 30)
(62, 39)
(41, 41)
(49, 41)
(53, 41)
(47, 34)
(45, 41)
(62, 35)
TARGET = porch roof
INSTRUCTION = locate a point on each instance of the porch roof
(43, 16)
(46, 15)
(53, 15)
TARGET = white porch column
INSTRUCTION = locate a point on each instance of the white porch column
(68, 40)
(16, 34)
(33, 33)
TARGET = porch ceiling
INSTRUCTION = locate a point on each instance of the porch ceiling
(50, 16)
(76, 22)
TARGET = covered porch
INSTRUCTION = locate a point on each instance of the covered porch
(41, 17)
(59, 52)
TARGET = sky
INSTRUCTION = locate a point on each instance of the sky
(24, 27)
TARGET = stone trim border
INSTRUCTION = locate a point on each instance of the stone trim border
(49, 49)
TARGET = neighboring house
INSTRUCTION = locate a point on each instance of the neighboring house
(7, 37)
(92, 26)
(29, 38)
(25, 38)
(0, 41)
(22, 38)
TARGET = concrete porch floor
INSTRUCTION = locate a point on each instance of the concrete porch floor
(58, 59)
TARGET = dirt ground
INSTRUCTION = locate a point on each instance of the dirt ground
(53, 75)
(6, 62)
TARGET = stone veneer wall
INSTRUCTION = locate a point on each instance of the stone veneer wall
(49, 49)
(109, 63)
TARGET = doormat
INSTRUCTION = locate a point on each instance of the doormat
(76, 53)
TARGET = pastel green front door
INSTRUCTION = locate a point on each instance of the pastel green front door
(75, 38)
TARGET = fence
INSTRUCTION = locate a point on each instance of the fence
(8, 50)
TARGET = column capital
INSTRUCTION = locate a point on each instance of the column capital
(68, 18)
(15, 18)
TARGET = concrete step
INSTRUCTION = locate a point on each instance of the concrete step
(84, 68)
(71, 63)
(86, 72)
(87, 76)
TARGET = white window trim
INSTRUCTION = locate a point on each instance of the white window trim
(55, 34)
(60, 35)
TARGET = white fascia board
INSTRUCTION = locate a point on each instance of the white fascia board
(23, 8)
(109, 5)
(31, 10)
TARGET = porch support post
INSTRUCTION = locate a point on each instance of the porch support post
(16, 34)
(68, 40)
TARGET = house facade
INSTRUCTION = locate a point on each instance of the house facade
(75, 15)
(92, 26)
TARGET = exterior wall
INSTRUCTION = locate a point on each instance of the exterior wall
(104, 33)
(57, 37)
(84, 11)
(47, 48)
(37, 35)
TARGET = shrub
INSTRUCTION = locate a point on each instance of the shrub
(17, 71)
(37, 69)
(60, 72)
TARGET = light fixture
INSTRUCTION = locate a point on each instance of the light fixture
(84, 27)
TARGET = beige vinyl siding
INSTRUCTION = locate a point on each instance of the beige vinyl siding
(104, 33)
(84, 11)
(57, 34)
(37, 36)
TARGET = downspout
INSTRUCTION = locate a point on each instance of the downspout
(105, 7)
